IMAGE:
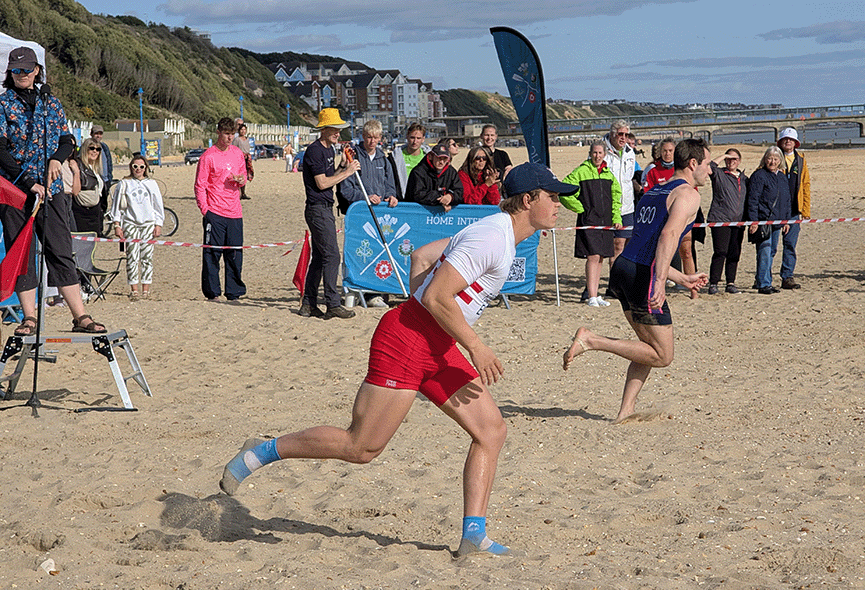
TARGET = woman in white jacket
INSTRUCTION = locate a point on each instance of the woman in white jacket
(137, 213)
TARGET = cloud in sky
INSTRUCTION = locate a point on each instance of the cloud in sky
(831, 58)
(408, 22)
(842, 31)
(310, 42)
(770, 85)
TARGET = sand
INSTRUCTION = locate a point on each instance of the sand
(747, 471)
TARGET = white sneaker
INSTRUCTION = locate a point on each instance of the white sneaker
(603, 302)
(377, 301)
(596, 302)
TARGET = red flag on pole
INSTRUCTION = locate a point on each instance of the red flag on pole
(11, 194)
(299, 279)
(15, 263)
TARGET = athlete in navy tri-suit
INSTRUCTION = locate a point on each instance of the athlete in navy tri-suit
(639, 275)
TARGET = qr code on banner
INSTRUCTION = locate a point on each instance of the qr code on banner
(517, 274)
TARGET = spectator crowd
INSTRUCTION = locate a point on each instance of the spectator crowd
(610, 185)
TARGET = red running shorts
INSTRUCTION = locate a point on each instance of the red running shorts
(409, 350)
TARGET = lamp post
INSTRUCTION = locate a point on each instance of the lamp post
(241, 106)
(288, 120)
(141, 116)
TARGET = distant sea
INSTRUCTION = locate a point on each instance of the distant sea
(840, 134)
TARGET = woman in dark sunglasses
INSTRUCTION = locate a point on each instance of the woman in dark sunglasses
(86, 206)
(33, 125)
(478, 174)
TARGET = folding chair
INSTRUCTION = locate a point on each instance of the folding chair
(97, 279)
(10, 310)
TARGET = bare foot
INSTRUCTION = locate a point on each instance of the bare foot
(644, 416)
(579, 346)
(624, 419)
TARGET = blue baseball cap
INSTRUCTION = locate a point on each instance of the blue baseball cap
(530, 176)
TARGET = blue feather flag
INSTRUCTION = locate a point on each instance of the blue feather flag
(525, 80)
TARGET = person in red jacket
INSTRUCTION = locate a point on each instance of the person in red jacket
(661, 172)
(478, 175)
(662, 168)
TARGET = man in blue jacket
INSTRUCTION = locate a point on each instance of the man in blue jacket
(375, 171)
(378, 180)
(96, 133)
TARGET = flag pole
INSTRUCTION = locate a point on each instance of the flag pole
(34, 402)
(556, 268)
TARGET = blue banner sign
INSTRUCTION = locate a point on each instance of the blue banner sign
(521, 68)
(409, 226)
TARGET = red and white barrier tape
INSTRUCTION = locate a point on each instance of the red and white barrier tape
(185, 244)
(293, 243)
(729, 223)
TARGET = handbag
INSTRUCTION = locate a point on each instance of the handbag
(89, 181)
(762, 234)
(120, 196)
(91, 191)
(88, 198)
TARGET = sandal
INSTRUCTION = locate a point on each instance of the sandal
(93, 327)
(27, 327)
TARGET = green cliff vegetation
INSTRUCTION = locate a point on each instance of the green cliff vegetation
(499, 110)
(96, 64)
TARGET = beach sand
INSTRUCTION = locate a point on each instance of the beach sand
(746, 471)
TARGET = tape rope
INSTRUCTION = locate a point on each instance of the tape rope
(293, 243)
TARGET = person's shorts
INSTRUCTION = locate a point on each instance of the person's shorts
(627, 220)
(631, 283)
(409, 350)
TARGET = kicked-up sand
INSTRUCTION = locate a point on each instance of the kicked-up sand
(745, 471)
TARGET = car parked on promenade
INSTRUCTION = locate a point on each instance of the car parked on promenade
(192, 156)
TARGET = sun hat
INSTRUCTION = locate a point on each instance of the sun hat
(22, 57)
(791, 133)
(530, 176)
(330, 118)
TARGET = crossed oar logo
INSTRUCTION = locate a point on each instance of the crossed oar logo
(370, 231)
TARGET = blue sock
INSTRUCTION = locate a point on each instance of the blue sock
(250, 459)
(475, 531)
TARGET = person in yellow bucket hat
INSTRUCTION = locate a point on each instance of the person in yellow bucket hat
(330, 118)
(319, 178)
(795, 168)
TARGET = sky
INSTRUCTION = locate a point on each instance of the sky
(797, 53)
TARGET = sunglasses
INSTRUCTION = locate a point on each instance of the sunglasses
(94, 149)
(482, 158)
(25, 71)
(622, 133)
(137, 167)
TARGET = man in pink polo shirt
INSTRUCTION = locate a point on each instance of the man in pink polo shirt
(220, 174)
